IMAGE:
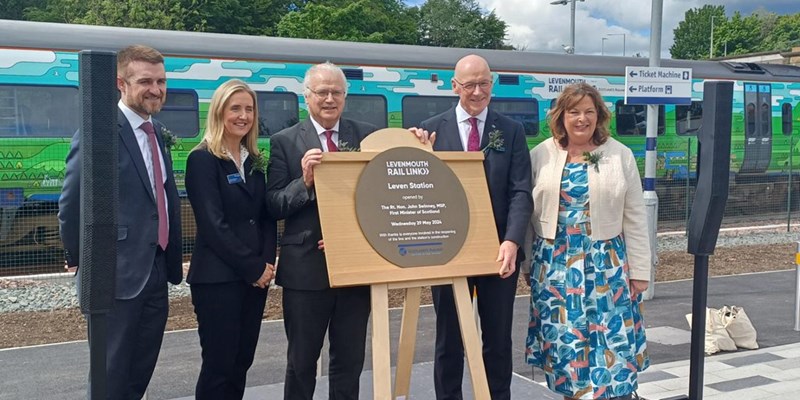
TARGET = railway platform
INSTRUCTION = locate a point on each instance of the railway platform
(59, 371)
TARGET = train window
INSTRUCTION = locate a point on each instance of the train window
(276, 112)
(750, 118)
(525, 111)
(766, 119)
(366, 107)
(419, 108)
(688, 119)
(181, 113)
(786, 117)
(632, 119)
(44, 111)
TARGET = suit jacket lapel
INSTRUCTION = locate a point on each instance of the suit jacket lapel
(308, 136)
(488, 127)
(347, 135)
(450, 136)
(229, 168)
(128, 139)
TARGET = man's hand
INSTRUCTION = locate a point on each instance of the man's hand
(423, 135)
(507, 256)
(638, 287)
(266, 277)
(310, 159)
(321, 245)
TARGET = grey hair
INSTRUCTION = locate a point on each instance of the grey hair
(326, 66)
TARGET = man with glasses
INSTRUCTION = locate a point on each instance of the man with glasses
(310, 306)
(472, 126)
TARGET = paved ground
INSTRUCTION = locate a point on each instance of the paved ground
(59, 371)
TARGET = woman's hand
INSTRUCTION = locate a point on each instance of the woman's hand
(638, 287)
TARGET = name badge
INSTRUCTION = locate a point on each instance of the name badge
(234, 178)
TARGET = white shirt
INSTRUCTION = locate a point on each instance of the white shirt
(243, 154)
(464, 127)
(144, 146)
(321, 133)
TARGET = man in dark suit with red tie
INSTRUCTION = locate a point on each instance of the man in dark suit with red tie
(473, 126)
(149, 250)
(310, 306)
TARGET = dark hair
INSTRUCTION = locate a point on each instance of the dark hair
(572, 95)
(136, 52)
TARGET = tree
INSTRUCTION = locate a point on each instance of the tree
(151, 14)
(377, 21)
(15, 9)
(740, 35)
(785, 34)
(693, 35)
(460, 23)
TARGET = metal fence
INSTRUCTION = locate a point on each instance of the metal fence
(30, 242)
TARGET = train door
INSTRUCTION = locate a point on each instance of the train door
(757, 128)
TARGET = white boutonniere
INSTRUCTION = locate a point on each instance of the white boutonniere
(496, 141)
(168, 138)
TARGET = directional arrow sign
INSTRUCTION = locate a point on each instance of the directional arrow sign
(657, 85)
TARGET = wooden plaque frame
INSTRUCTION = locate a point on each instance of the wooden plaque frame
(352, 261)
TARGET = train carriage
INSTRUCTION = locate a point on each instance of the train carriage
(388, 85)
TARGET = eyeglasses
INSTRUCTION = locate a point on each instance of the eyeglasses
(470, 86)
(323, 94)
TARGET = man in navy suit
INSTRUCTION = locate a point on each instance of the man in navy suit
(149, 250)
(473, 126)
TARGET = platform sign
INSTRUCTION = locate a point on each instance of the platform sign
(658, 85)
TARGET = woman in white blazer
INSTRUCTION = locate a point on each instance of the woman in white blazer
(590, 256)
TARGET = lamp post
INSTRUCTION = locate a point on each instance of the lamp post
(571, 48)
(624, 35)
(711, 45)
(603, 46)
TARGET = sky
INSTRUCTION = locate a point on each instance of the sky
(536, 25)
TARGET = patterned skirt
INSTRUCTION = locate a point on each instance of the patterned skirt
(585, 331)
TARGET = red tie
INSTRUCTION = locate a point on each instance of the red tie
(331, 146)
(158, 181)
(474, 141)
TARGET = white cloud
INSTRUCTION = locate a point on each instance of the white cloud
(540, 26)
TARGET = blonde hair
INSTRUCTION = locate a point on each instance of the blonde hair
(571, 96)
(215, 124)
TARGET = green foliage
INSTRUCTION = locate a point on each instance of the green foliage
(377, 21)
(15, 9)
(761, 31)
(452, 23)
(692, 37)
(460, 23)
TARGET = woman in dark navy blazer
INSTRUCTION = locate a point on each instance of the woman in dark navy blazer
(234, 254)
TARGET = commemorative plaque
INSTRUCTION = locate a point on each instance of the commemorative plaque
(412, 208)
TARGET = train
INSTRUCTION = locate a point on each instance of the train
(388, 85)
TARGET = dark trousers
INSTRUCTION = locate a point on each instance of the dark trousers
(135, 329)
(496, 310)
(228, 322)
(308, 314)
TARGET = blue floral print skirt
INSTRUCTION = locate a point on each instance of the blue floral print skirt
(585, 331)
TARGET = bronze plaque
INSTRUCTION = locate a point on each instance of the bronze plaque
(412, 208)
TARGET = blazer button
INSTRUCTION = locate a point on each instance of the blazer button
(154, 216)
(252, 221)
(152, 244)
